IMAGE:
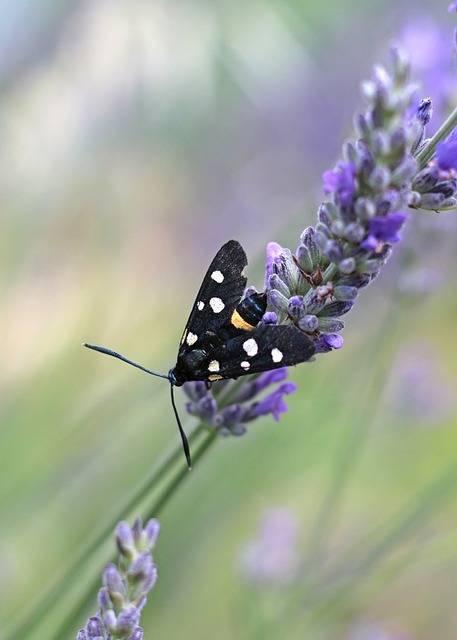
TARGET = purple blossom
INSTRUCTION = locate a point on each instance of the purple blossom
(384, 229)
(245, 407)
(446, 154)
(125, 587)
(341, 182)
(452, 7)
(329, 341)
(273, 403)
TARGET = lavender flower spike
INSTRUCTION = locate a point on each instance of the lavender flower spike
(126, 586)
(370, 190)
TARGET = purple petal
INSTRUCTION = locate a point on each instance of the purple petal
(151, 531)
(446, 154)
(341, 182)
(384, 229)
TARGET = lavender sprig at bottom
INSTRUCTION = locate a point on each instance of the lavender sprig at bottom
(125, 587)
(369, 191)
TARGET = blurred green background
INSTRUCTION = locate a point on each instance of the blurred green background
(137, 136)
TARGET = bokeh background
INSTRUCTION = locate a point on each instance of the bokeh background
(137, 136)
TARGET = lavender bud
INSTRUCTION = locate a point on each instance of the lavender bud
(336, 309)
(207, 408)
(296, 307)
(357, 280)
(380, 143)
(345, 293)
(305, 259)
(432, 201)
(349, 152)
(81, 635)
(309, 323)
(379, 178)
(125, 541)
(401, 65)
(277, 284)
(95, 628)
(137, 634)
(112, 579)
(321, 239)
(348, 265)
(270, 317)
(424, 111)
(362, 127)
(273, 251)
(398, 140)
(364, 208)
(354, 232)
(307, 239)
(195, 390)
(286, 269)
(330, 325)
(426, 179)
(334, 251)
(413, 199)
(137, 531)
(337, 228)
(404, 172)
(151, 533)
(249, 292)
(127, 620)
(449, 203)
(104, 599)
(445, 188)
(277, 300)
(322, 215)
(371, 266)
(110, 620)
(313, 302)
(232, 415)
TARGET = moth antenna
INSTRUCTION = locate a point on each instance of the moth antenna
(185, 442)
(114, 354)
(110, 352)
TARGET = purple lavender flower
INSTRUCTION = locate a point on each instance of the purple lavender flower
(244, 407)
(369, 190)
(341, 182)
(384, 230)
(125, 587)
(446, 154)
(272, 403)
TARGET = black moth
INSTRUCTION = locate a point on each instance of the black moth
(224, 336)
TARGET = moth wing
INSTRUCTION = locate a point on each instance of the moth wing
(219, 293)
(264, 348)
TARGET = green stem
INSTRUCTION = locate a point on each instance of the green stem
(169, 474)
(73, 617)
(56, 592)
(428, 151)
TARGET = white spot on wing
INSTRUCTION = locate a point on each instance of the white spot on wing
(276, 355)
(251, 347)
(213, 366)
(245, 365)
(218, 276)
(216, 305)
(200, 305)
(191, 338)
